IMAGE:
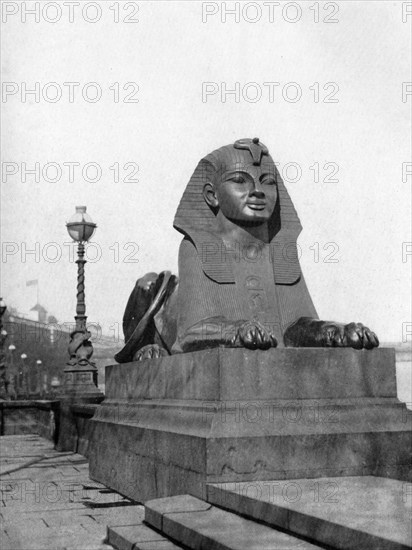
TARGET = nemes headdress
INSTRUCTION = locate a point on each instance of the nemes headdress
(195, 219)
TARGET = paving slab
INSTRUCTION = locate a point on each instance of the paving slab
(54, 539)
(346, 512)
(192, 523)
(53, 504)
(119, 516)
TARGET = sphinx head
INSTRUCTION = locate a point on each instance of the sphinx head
(241, 182)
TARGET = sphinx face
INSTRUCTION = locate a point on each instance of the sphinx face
(247, 194)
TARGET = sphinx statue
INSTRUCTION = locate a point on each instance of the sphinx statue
(240, 283)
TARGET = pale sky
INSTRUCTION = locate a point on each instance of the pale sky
(361, 61)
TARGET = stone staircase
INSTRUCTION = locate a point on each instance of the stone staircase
(361, 513)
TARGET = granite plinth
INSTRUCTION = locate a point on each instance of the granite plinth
(171, 425)
(234, 374)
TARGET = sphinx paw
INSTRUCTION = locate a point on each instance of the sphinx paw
(332, 335)
(253, 335)
(352, 335)
(357, 336)
(151, 351)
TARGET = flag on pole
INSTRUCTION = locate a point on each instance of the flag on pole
(33, 282)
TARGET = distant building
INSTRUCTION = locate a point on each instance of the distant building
(39, 314)
(48, 341)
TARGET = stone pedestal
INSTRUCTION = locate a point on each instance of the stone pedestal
(79, 389)
(169, 426)
(81, 380)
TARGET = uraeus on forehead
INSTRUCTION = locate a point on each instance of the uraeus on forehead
(243, 155)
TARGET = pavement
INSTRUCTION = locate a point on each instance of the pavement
(48, 500)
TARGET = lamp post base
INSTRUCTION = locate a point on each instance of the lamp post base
(81, 380)
(79, 388)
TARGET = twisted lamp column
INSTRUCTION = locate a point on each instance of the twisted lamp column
(81, 304)
(80, 347)
(80, 371)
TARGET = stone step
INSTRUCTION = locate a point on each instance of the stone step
(197, 525)
(138, 537)
(339, 512)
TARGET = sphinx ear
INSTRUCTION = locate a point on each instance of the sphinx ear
(209, 194)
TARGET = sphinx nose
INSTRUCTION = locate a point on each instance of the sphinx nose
(257, 190)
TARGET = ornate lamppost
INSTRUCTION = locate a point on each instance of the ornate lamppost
(80, 371)
(43, 379)
(54, 386)
(12, 376)
(3, 337)
(23, 378)
(39, 381)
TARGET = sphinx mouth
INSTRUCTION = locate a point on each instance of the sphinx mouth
(256, 205)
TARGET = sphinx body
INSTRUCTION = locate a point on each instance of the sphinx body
(240, 282)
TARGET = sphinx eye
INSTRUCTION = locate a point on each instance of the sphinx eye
(268, 181)
(238, 178)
